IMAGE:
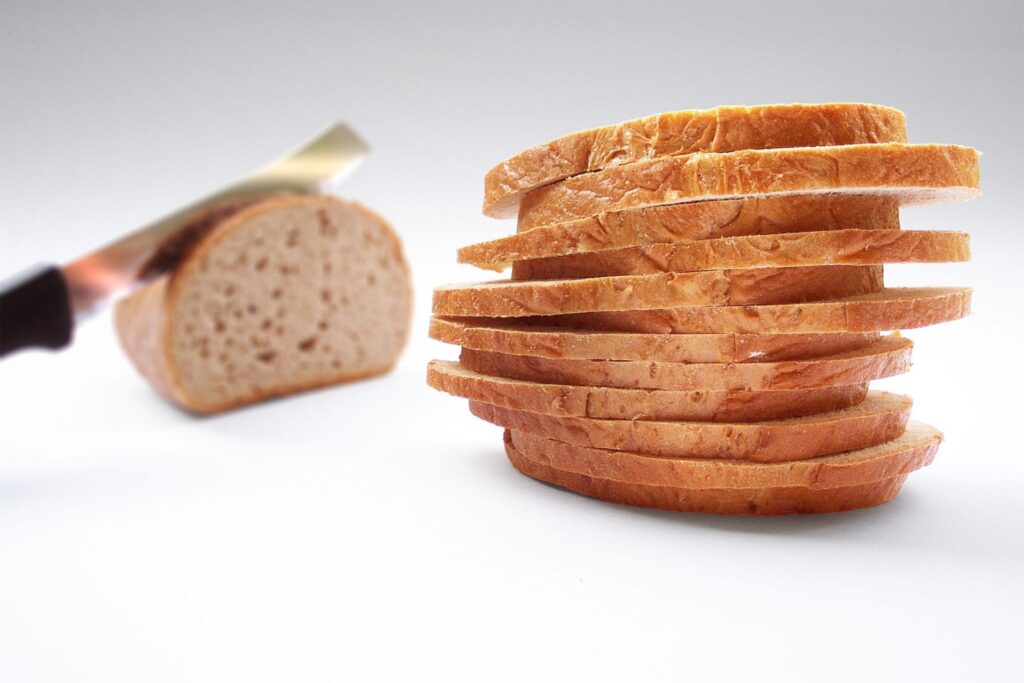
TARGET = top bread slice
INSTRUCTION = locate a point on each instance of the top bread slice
(910, 173)
(287, 294)
(689, 221)
(722, 129)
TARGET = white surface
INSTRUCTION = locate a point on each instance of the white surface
(375, 531)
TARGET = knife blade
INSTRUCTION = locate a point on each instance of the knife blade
(317, 166)
(42, 308)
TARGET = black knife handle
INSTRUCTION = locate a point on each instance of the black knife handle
(35, 310)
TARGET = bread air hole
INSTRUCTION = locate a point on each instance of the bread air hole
(327, 229)
(266, 356)
(307, 344)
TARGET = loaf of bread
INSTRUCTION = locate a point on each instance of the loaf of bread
(285, 294)
(696, 308)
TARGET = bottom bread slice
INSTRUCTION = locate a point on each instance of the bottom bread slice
(638, 404)
(880, 418)
(774, 500)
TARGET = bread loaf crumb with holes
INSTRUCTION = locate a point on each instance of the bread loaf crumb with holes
(286, 294)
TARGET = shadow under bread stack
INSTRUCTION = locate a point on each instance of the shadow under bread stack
(697, 304)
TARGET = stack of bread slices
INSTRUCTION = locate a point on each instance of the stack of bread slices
(696, 307)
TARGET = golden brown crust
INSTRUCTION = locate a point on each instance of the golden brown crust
(506, 298)
(888, 309)
(710, 447)
(885, 357)
(689, 221)
(912, 173)
(766, 501)
(722, 129)
(143, 319)
(910, 448)
(511, 337)
(639, 404)
(840, 247)
(143, 329)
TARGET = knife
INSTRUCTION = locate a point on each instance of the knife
(41, 307)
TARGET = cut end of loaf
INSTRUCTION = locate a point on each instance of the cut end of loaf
(290, 294)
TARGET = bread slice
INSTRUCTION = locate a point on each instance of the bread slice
(689, 221)
(888, 309)
(911, 450)
(504, 298)
(722, 129)
(638, 404)
(885, 357)
(288, 294)
(841, 247)
(879, 418)
(910, 173)
(511, 337)
(782, 500)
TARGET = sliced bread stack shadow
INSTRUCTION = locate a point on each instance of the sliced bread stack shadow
(696, 308)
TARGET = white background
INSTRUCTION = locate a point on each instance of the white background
(375, 531)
